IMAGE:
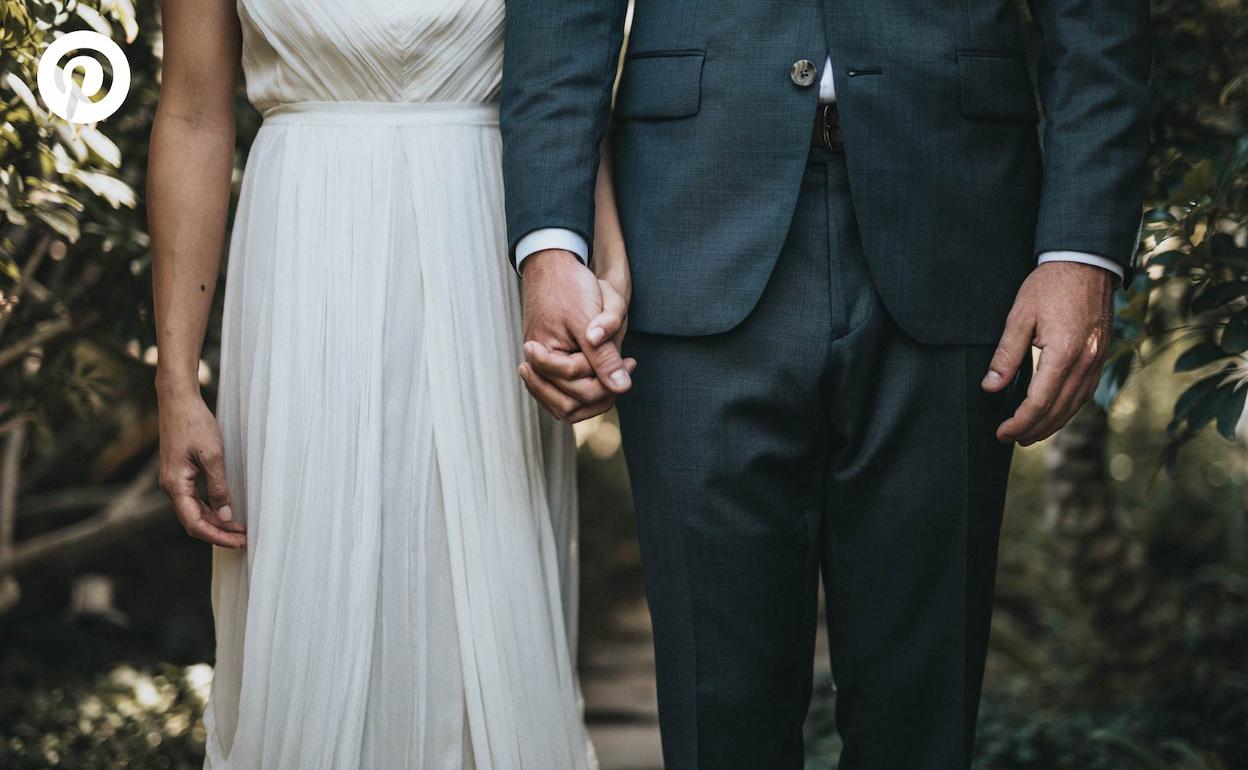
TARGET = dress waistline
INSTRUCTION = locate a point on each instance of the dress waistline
(383, 113)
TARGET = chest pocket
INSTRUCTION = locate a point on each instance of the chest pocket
(995, 86)
(660, 85)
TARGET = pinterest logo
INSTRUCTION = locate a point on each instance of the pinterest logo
(64, 97)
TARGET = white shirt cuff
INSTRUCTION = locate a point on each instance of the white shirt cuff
(1083, 259)
(551, 238)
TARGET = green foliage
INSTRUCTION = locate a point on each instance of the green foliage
(76, 330)
(1011, 736)
(50, 171)
(126, 718)
(1160, 735)
(1193, 293)
(74, 287)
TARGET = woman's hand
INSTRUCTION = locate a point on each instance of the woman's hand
(191, 446)
(616, 283)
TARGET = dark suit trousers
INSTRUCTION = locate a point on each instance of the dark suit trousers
(817, 437)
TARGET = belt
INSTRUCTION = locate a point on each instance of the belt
(383, 113)
(827, 133)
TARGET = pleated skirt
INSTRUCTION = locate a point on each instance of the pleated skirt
(407, 598)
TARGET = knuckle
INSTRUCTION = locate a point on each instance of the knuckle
(1017, 318)
(217, 489)
(1097, 345)
(1067, 346)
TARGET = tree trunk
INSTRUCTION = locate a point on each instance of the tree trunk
(1106, 558)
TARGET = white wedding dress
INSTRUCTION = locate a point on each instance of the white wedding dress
(407, 598)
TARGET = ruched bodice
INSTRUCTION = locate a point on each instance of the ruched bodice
(371, 50)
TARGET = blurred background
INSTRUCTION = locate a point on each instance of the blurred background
(1121, 631)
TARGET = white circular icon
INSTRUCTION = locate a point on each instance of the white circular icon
(64, 97)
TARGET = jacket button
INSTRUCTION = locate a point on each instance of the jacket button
(803, 73)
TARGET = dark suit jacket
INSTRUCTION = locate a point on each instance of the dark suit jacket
(939, 117)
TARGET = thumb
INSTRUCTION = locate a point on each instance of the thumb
(606, 324)
(218, 490)
(607, 364)
(1015, 344)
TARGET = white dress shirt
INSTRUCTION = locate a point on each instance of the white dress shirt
(559, 238)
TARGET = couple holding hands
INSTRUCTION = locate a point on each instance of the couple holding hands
(810, 261)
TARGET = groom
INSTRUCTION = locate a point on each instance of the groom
(844, 243)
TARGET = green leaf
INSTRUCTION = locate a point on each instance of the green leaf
(111, 189)
(1198, 180)
(1191, 757)
(1113, 377)
(123, 11)
(1135, 309)
(95, 19)
(1223, 251)
(1198, 356)
(1208, 407)
(1158, 215)
(1214, 296)
(101, 145)
(61, 221)
(1230, 409)
(1235, 335)
(1140, 756)
(1164, 259)
(45, 12)
(1190, 404)
(25, 94)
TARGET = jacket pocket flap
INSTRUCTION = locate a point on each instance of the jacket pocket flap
(660, 85)
(995, 86)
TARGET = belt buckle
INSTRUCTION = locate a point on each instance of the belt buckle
(830, 127)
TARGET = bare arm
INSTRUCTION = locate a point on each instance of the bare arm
(610, 256)
(189, 165)
(191, 156)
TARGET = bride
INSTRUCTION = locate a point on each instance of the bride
(394, 582)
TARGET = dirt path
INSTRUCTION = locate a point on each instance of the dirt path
(617, 675)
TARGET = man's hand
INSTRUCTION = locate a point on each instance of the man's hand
(572, 365)
(1065, 309)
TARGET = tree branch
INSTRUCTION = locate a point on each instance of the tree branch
(138, 504)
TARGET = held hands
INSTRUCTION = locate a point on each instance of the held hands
(1063, 308)
(573, 325)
